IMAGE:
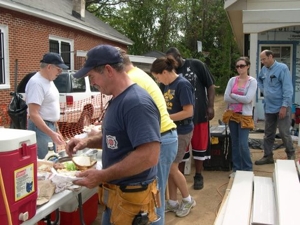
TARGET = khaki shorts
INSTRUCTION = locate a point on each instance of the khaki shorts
(184, 141)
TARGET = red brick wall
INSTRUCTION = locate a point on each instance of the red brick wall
(29, 41)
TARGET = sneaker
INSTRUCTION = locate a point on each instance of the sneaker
(232, 175)
(198, 182)
(170, 208)
(265, 160)
(185, 208)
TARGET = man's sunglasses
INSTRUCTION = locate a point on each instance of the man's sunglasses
(240, 66)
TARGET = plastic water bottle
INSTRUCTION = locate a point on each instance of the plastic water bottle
(51, 155)
(292, 130)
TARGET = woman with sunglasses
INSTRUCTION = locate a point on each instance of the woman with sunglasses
(239, 95)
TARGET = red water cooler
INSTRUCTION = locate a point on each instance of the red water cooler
(18, 180)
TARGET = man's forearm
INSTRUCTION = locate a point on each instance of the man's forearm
(147, 155)
(95, 141)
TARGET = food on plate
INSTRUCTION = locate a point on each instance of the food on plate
(44, 168)
(70, 166)
(65, 168)
(91, 128)
(83, 162)
(75, 164)
(58, 166)
(88, 129)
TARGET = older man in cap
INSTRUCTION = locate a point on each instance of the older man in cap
(42, 98)
(130, 140)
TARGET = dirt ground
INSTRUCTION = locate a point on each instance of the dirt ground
(209, 199)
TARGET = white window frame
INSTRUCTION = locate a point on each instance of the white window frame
(4, 30)
(71, 42)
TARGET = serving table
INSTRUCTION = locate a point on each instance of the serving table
(58, 200)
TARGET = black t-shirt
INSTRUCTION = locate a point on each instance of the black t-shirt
(197, 73)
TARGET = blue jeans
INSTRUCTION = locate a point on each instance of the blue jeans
(168, 152)
(271, 122)
(42, 139)
(106, 217)
(241, 159)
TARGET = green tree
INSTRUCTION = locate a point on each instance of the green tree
(206, 21)
(150, 24)
(160, 24)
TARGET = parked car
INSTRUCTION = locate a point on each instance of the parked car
(80, 103)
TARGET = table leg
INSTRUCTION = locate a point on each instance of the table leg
(48, 218)
(80, 209)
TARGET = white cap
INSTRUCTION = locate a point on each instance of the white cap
(50, 144)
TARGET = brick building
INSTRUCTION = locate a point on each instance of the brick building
(28, 29)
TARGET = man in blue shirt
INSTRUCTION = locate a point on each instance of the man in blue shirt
(275, 82)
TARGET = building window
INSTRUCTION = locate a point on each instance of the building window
(62, 47)
(4, 68)
(282, 53)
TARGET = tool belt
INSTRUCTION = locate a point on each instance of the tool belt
(126, 202)
(245, 121)
(183, 122)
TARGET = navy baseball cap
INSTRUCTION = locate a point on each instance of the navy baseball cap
(55, 59)
(98, 56)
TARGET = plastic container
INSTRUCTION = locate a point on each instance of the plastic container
(18, 163)
(51, 155)
(220, 151)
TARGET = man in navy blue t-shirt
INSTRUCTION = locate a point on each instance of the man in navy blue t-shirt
(130, 137)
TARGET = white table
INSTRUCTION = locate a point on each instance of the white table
(56, 201)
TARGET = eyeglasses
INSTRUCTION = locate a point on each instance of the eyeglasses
(58, 68)
(240, 66)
